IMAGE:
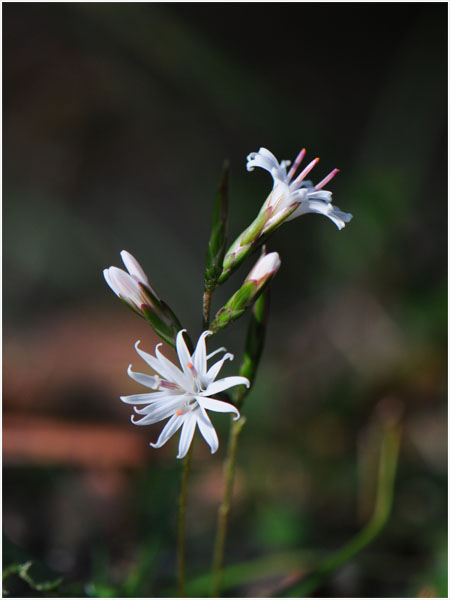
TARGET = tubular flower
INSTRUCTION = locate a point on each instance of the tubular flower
(291, 196)
(294, 196)
(183, 395)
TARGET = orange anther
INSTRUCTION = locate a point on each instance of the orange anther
(179, 412)
(190, 365)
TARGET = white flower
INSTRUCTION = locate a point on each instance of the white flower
(132, 287)
(183, 395)
(291, 197)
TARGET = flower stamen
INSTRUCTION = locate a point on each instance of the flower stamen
(326, 179)
(296, 163)
(306, 170)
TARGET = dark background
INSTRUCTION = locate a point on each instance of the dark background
(116, 120)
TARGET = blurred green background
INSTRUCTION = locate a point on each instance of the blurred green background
(117, 118)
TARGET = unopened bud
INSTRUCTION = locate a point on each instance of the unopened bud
(134, 289)
(265, 268)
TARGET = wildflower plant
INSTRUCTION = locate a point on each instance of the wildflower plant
(185, 394)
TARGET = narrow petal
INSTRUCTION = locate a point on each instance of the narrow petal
(162, 365)
(199, 356)
(176, 375)
(214, 352)
(171, 427)
(148, 380)
(152, 404)
(207, 429)
(323, 195)
(184, 355)
(144, 398)
(157, 412)
(133, 267)
(338, 217)
(217, 406)
(187, 433)
(215, 369)
(110, 282)
(223, 384)
(266, 160)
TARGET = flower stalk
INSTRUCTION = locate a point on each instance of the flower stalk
(224, 509)
(181, 533)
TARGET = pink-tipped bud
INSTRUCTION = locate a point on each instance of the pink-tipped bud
(265, 268)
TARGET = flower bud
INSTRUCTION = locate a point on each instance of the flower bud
(134, 289)
(263, 271)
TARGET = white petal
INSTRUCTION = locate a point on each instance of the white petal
(155, 402)
(338, 217)
(266, 160)
(215, 369)
(323, 195)
(109, 281)
(171, 427)
(222, 349)
(176, 375)
(187, 433)
(144, 398)
(223, 384)
(148, 380)
(157, 411)
(199, 356)
(162, 365)
(207, 429)
(184, 355)
(124, 285)
(133, 267)
(217, 406)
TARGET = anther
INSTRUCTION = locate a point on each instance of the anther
(192, 369)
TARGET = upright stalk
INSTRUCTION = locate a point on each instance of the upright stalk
(206, 308)
(224, 509)
(181, 537)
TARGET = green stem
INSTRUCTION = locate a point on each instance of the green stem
(181, 539)
(224, 509)
(206, 308)
(383, 505)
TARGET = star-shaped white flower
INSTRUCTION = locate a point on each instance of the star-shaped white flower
(183, 395)
(291, 197)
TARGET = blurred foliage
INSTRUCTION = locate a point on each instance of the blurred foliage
(117, 119)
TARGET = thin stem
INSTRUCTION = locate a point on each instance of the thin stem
(206, 308)
(181, 540)
(383, 505)
(224, 509)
